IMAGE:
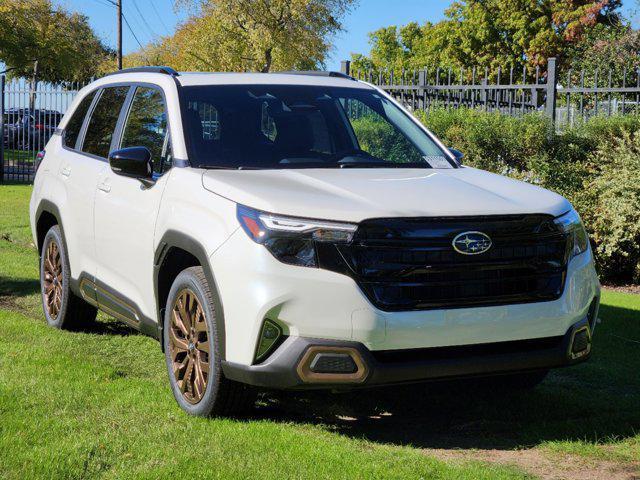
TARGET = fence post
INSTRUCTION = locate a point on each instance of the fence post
(2, 82)
(552, 88)
(345, 67)
(422, 91)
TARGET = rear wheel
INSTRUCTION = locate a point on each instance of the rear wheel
(192, 351)
(62, 308)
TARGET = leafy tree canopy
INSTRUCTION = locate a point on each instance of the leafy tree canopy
(63, 43)
(492, 33)
(250, 35)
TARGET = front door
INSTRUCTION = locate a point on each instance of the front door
(126, 212)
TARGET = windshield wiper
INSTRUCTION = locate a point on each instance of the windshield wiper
(384, 164)
(227, 167)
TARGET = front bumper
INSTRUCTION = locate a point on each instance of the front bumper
(283, 369)
(319, 304)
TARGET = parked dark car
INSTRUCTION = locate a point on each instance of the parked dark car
(27, 129)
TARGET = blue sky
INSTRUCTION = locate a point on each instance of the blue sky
(150, 19)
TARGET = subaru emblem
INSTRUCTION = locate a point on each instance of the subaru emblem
(471, 243)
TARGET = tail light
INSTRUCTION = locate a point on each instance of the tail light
(39, 126)
(39, 158)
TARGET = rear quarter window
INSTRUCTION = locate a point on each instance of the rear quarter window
(72, 131)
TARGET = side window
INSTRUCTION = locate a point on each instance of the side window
(146, 126)
(102, 123)
(72, 131)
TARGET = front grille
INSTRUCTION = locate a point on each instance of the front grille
(410, 264)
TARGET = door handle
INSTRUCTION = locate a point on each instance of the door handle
(105, 187)
(65, 171)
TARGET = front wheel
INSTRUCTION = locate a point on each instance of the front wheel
(192, 351)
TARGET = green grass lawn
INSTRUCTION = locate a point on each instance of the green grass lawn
(96, 404)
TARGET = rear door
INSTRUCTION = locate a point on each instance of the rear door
(126, 211)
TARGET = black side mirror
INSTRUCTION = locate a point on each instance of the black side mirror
(457, 154)
(134, 162)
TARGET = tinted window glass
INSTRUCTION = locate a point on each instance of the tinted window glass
(296, 126)
(75, 122)
(103, 121)
(146, 126)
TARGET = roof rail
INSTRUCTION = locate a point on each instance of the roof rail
(318, 73)
(160, 69)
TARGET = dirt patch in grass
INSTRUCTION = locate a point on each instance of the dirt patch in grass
(8, 302)
(547, 466)
(624, 288)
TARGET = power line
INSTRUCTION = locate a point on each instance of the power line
(131, 30)
(144, 20)
(153, 6)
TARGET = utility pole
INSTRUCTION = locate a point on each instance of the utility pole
(119, 8)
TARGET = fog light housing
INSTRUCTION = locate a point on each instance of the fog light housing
(327, 364)
(580, 343)
(269, 338)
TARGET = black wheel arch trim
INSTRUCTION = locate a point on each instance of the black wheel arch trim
(177, 239)
(47, 206)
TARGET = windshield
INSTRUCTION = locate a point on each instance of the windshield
(296, 126)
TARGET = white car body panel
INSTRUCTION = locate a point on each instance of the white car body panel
(354, 195)
(124, 208)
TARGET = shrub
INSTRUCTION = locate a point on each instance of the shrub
(610, 202)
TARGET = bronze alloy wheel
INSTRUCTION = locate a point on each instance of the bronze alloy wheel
(52, 280)
(189, 346)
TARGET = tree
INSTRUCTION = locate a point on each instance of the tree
(492, 33)
(47, 42)
(252, 35)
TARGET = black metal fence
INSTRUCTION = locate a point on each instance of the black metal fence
(30, 116)
(574, 95)
(28, 119)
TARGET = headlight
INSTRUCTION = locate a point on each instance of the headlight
(290, 239)
(571, 224)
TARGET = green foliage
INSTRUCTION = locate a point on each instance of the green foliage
(610, 201)
(250, 35)
(595, 164)
(491, 141)
(493, 33)
(63, 43)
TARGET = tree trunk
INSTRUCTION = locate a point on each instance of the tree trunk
(34, 87)
(267, 61)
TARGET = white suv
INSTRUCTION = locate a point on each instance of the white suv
(300, 230)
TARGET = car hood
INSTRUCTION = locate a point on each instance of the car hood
(357, 194)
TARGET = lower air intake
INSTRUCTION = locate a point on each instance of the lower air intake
(333, 363)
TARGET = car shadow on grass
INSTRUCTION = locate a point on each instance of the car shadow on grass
(18, 287)
(13, 290)
(106, 325)
(596, 401)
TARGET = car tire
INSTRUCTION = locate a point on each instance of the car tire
(192, 351)
(62, 308)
